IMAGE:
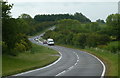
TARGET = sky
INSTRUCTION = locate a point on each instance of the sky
(63, 1)
(93, 9)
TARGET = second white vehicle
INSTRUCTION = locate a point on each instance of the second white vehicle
(50, 41)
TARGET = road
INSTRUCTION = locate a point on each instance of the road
(72, 62)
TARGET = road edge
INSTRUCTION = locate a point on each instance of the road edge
(104, 67)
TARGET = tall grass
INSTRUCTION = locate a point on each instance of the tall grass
(113, 47)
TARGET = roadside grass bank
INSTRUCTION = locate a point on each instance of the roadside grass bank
(110, 60)
(37, 57)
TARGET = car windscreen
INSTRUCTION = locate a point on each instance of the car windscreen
(50, 41)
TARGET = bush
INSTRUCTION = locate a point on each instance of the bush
(79, 40)
(113, 47)
(93, 40)
(19, 47)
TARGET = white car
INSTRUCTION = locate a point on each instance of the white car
(50, 41)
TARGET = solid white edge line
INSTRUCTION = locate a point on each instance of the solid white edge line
(104, 68)
(42, 67)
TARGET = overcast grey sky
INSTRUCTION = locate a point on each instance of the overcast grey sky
(93, 9)
(63, 1)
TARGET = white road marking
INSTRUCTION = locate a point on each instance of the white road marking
(104, 68)
(61, 73)
(69, 67)
(42, 67)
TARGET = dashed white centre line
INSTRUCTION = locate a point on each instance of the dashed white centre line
(71, 66)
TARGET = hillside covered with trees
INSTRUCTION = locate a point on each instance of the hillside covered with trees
(91, 34)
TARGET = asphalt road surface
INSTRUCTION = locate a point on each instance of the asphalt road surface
(72, 62)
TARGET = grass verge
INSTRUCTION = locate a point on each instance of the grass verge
(38, 57)
(110, 60)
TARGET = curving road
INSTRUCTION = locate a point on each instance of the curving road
(72, 62)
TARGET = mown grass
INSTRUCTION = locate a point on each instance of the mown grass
(110, 60)
(39, 56)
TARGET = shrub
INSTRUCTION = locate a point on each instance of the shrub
(79, 40)
(4, 48)
(113, 46)
(93, 40)
(19, 47)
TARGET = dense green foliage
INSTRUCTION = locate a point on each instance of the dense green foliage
(72, 32)
(13, 36)
(113, 23)
(100, 21)
(112, 46)
(54, 17)
(93, 34)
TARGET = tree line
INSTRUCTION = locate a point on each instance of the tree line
(54, 17)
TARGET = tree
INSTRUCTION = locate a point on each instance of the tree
(79, 40)
(25, 16)
(94, 39)
(92, 27)
(6, 9)
(81, 17)
(12, 28)
(113, 24)
(100, 21)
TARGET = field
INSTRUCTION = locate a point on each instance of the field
(39, 56)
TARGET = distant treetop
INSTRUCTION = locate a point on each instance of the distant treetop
(53, 17)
